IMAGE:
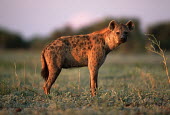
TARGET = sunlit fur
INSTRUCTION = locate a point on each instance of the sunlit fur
(82, 50)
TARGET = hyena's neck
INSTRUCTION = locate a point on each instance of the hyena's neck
(109, 40)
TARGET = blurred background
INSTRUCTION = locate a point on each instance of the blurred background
(31, 24)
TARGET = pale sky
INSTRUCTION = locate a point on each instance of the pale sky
(41, 17)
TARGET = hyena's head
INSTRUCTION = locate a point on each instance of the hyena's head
(119, 32)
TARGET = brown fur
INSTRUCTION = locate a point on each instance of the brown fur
(82, 50)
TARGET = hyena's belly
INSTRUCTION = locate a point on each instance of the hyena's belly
(75, 60)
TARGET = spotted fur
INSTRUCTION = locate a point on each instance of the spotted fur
(82, 50)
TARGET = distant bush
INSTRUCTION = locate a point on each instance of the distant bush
(9, 40)
(162, 32)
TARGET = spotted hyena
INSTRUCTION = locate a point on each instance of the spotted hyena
(82, 50)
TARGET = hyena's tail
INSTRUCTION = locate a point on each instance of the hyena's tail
(44, 68)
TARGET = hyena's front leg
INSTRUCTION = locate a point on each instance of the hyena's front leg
(95, 59)
(93, 79)
(93, 69)
(93, 82)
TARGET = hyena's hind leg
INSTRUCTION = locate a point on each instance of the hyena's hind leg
(54, 68)
(53, 74)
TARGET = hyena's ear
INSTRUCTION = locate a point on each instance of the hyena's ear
(112, 25)
(130, 25)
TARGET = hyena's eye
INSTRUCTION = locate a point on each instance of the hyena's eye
(117, 33)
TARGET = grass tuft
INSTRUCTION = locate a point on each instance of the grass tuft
(158, 50)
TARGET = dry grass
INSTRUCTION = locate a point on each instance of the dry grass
(155, 43)
(131, 84)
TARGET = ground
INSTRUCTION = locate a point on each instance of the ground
(128, 84)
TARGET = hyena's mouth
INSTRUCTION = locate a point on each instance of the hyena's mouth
(123, 40)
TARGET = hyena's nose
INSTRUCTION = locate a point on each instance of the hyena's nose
(123, 38)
